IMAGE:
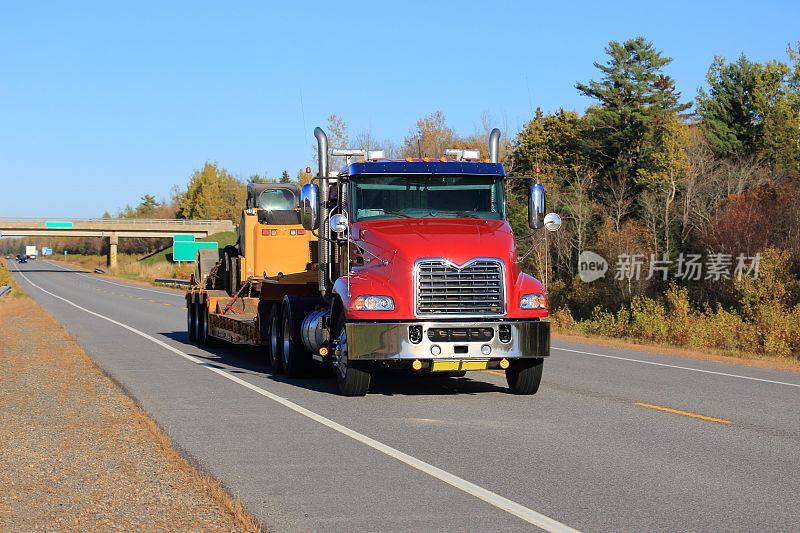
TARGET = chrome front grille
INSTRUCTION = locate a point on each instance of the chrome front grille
(475, 288)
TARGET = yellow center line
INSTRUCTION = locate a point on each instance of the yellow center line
(684, 413)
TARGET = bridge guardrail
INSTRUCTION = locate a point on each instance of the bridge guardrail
(175, 221)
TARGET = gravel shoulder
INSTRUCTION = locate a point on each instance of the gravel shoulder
(78, 454)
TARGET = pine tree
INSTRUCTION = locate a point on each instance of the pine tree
(635, 102)
(633, 96)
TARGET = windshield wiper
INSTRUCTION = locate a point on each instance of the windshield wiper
(398, 213)
(466, 214)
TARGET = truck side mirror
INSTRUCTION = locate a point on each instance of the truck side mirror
(536, 206)
(309, 206)
(552, 222)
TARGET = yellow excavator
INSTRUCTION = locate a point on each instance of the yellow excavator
(236, 293)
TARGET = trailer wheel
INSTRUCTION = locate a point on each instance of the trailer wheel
(525, 375)
(275, 341)
(293, 353)
(190, 321)
(264, 309)
(196, 320)
(351, 381)
(202, 333)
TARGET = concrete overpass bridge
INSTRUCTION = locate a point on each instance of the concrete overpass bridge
(110, 228)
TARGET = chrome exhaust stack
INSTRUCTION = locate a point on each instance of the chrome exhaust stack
(322, 244)
(494, 146)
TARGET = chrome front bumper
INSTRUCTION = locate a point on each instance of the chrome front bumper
(386, 341)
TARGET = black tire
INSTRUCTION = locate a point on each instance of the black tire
(202, 334)
(222, 272)
(264, 309)
(294, 355)
(234, 272)
(190, 321)
(196, 309)
(351, 381)
(230, 288)
(275, 340)
(524, 376)
(201, 322)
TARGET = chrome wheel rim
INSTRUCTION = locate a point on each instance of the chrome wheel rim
(340, 354)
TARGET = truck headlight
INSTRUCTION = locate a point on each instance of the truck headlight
(373, 303)
(532, 301)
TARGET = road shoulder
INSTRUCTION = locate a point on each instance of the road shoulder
(78, 453)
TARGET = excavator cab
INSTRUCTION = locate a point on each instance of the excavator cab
(272, 243)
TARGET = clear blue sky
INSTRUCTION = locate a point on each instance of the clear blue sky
(101, 103)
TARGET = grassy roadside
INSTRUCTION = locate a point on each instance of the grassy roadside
(224, 239)
(128, 267)
(134, 267)
(78, 454)
(719, 356)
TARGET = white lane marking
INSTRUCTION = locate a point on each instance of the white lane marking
(678, 367)
(113, 282)
(512, 507)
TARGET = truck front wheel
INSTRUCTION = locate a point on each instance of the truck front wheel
(352, 381)
(525, 375)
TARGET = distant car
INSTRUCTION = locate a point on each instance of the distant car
(23, 260)
(8, 257)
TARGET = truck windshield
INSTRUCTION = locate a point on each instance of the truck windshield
(427, 197)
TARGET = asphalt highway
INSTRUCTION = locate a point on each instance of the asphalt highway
(614, 440)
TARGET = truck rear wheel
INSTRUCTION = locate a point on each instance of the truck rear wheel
(524, 376)
(351, 381)
(293, 353)
(275, 341)
(190, 325)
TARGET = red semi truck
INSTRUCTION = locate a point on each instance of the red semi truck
(412, 267)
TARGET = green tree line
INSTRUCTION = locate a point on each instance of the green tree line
(643, 171)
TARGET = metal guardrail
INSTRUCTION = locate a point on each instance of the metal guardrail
(172, 221)
(172, 282)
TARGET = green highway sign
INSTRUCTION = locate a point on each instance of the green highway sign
(182, 238)
(187, 251)
(58, 224)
